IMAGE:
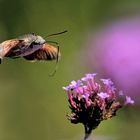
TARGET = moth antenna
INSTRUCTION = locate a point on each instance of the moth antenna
(56, 33)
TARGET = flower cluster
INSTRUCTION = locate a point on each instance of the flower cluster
(91, 102)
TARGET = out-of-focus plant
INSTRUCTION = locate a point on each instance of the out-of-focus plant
(116, 49)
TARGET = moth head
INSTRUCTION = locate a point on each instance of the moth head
(39, 40)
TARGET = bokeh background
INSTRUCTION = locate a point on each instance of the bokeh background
(33, 105)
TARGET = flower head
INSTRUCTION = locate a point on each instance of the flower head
(91, 102)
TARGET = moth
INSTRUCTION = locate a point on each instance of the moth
(31, 47)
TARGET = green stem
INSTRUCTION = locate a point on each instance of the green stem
(87, 131)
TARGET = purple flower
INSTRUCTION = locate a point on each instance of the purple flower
(85, 95)
(103, 95)
(67, 88)
(88, 77)
(107, 82)
(129, 100)
(91, 102)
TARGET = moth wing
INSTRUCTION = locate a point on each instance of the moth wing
(8, 45)
(47, 52)
(17, 49)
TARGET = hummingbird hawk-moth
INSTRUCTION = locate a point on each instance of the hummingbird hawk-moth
(31, 47)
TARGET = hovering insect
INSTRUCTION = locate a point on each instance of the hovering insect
(31, 47)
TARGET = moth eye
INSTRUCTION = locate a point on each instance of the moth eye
(33, 34)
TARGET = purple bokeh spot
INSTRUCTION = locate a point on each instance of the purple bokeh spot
(116, 50)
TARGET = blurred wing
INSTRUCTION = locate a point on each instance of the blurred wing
(8, 45)
(23, 48)
(47, 52)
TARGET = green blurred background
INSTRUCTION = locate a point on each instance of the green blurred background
(33, 105)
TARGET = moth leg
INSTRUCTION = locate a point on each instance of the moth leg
(58, 50)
